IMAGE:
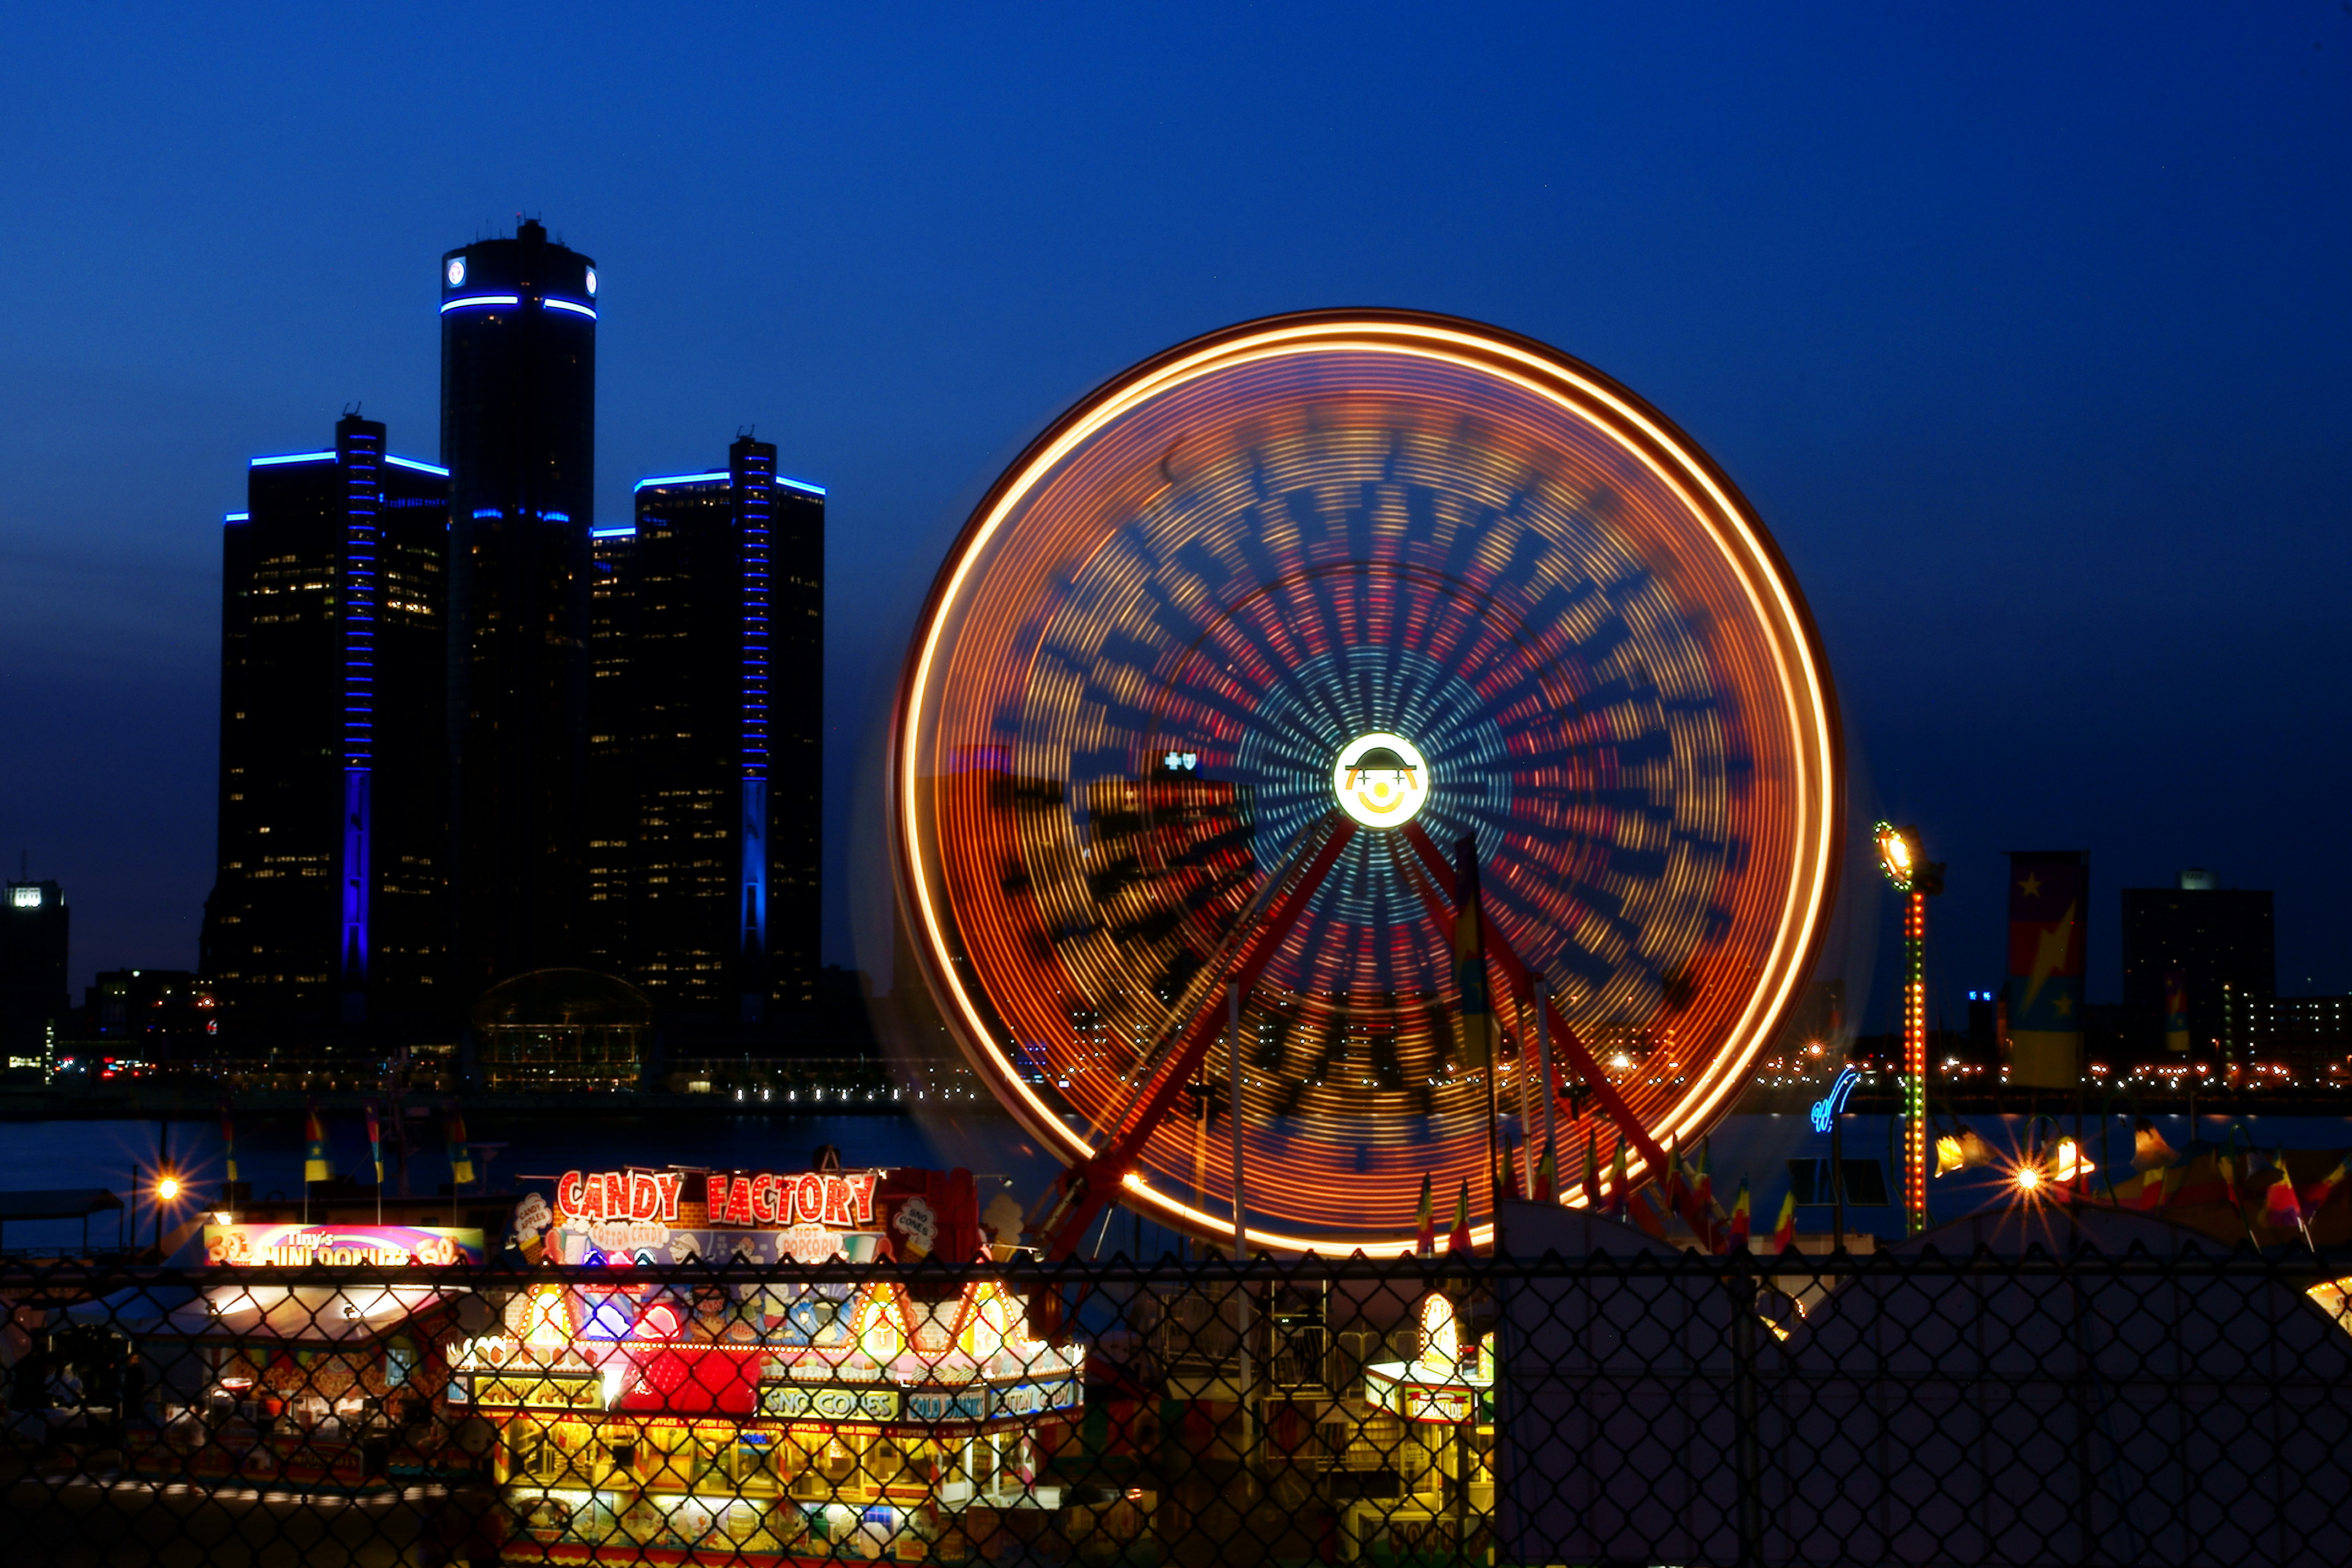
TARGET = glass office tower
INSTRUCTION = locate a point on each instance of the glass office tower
(328, 903)
(519, 435)
(706, 742)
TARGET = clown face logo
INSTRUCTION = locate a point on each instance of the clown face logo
(1381, 780)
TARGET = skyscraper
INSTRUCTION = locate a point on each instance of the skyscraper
(328, 904)
(706, 744)
(519, 435)
(2220, 941)
(34, 925)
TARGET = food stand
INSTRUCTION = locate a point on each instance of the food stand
(311, 1386)
(1445, 1398)
(648, 1417)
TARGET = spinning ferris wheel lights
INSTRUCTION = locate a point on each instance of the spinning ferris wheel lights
(1363, 576)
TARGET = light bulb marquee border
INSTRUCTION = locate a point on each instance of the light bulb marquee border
(1798, 666)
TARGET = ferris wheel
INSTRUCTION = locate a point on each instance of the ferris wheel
(1235, 671)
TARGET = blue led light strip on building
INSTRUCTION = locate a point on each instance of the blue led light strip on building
(573, 306)
(237, 517)
(420, 467)
(291, 458)
(723, 477)
(363, 501)
(627, 531)
(449, 305)
(755, 491)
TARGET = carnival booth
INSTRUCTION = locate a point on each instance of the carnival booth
(656, 1415)
(307, 1385)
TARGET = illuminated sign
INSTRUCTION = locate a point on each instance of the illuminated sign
(947, 1404)
(828, 1199)
(1381, 780)
(299, 1245)
(1826, 1109)
(620, 1195)
(24, 897)
(837, 1200)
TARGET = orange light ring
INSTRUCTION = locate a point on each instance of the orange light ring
(1786, 654)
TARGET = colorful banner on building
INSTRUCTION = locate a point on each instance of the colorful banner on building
(301, 1246)
(2049, 899)
(2175, 1012)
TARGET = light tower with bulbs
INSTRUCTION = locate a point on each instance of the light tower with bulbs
(1916, 878)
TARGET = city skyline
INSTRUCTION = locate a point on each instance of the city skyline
(2071, 596)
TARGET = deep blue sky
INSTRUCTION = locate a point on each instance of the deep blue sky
(2026, 333)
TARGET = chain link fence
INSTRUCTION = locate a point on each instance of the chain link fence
(1636, 1409)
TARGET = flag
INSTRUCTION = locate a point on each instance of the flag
(2175, 1012)
(1703, 1185)
(228, 1139)
(1591, 1174)
(2279, 1207)
(375, 1144)
(1949, 1157)
(1470, 958)
(2156, 1186)
(2149, 1151)
(1617, 1193)
(1736, 1238)
(461, 1162)
(1784, 1232)
(1424, 1223)
(1458, 1239)
(1546, 1176)
(1510, 1175)
(1675, 1187)
(315, 1164)
(2320, 1191)
(2049, 899)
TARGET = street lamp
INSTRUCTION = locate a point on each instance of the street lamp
(1917, 878)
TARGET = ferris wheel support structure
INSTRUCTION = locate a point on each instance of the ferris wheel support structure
(1440, 895)
(1084, 1190)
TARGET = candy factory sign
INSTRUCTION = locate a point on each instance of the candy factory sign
(622, 1210)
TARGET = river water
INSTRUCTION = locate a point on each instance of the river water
(1761, 1148)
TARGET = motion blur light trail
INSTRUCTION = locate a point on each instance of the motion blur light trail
(1149, 649)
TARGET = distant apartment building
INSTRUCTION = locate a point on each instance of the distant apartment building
(34, 927)
(705, 743)
(328, 911)
(2220, 941)
(2311, 1036)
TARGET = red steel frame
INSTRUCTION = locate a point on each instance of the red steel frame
(1084, 1190)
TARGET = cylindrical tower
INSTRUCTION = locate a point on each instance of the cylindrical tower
(519, 438)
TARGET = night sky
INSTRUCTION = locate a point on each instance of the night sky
(2030, 336)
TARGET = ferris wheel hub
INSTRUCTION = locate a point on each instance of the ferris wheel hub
(1381, 780)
